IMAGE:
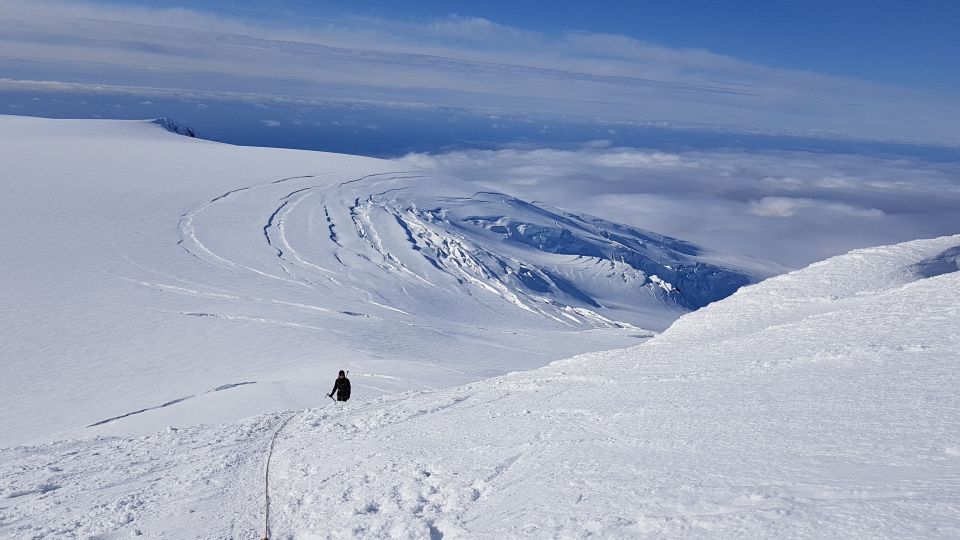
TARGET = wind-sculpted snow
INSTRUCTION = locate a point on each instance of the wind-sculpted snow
(817, 404)
(143, 267)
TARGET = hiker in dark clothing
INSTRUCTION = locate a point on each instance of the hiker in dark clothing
(342, 387)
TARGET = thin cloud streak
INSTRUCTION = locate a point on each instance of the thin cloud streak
(459, 62)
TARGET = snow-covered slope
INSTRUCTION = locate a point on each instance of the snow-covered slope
(818, 404)
(151, 279)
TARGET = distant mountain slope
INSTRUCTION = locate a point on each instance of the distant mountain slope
(151, 279)
(818, 404)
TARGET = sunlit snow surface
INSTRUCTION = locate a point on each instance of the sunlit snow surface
(152, 279)
(818, 404)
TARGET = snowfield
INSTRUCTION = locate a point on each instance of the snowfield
(152, 279)
(817, 404)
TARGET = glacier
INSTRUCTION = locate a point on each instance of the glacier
(169, 280)
(174, 309)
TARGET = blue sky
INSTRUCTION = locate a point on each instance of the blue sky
(893, 41)
(881, 70)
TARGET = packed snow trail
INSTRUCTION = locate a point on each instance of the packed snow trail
(818, 404)
(143, 266)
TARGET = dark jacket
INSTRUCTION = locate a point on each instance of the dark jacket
(342, 388)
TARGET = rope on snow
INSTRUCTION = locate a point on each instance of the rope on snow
(266, 475)
(266, 478)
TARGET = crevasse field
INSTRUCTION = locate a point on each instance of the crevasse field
(173, 309)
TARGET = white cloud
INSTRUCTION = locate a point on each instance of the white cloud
(455, 61)
(835, 182)
(632, 158)
(791, 207)
(784, 207)
(477, 28)
(271, 123)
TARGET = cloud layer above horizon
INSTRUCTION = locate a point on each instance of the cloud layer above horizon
(790, 207)
(385, 87)
(454, 61)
